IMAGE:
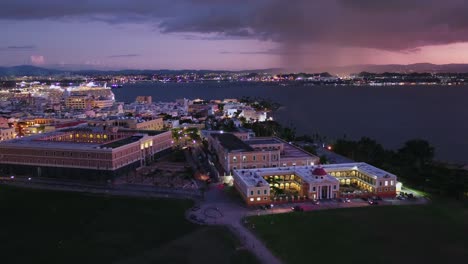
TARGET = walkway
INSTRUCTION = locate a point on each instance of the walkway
(219, 209)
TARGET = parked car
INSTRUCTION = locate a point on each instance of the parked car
(297, 208)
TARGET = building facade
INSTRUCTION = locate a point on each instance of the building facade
(7, 133)
(234, 153)
(82, 153)
(270, 185)
(129, 123)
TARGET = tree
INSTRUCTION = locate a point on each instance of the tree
(288, 133)
(417, 153)
(368, 150)
(323, 159)
(243, 120)
(310, 149)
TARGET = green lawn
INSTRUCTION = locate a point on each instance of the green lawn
(436, 233)
(58, 227)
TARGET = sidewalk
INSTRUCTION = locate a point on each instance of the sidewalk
(217, 209)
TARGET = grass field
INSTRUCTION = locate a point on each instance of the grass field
(59, 227)
(435, 233)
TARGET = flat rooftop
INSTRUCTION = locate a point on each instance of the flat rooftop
(252, 176)
(252, 179)
(262, 141)
(39, 141)
(35, 142)
(122, 142)
(289, 150)
(231, 142)
(148, 132)
(361, 167)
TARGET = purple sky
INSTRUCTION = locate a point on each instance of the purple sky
(232, 34)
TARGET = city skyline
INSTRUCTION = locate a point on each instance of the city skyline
(232, 35)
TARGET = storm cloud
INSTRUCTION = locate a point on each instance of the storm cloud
(388, 25)
(123, 55)
(297, 26)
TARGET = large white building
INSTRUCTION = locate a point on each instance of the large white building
(260, 186)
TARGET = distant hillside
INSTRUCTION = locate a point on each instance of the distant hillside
(399, 68)
(27, 70)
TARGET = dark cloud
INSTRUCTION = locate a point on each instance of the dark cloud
(29, 47)
(396, 25)
(124, 56)
(279, 51)
(18, 48)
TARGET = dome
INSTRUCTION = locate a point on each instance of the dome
(319, 171)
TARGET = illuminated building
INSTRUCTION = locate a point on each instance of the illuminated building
(78, 102)
(144, 99)
(7, 133)
(83, 153)
(257, 186)
(130, 123)
(234, 153)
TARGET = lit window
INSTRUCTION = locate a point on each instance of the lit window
(386, 183)
(244, 158)
(258, 198)
(391, 183)
(251, 199)
(234, 159)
